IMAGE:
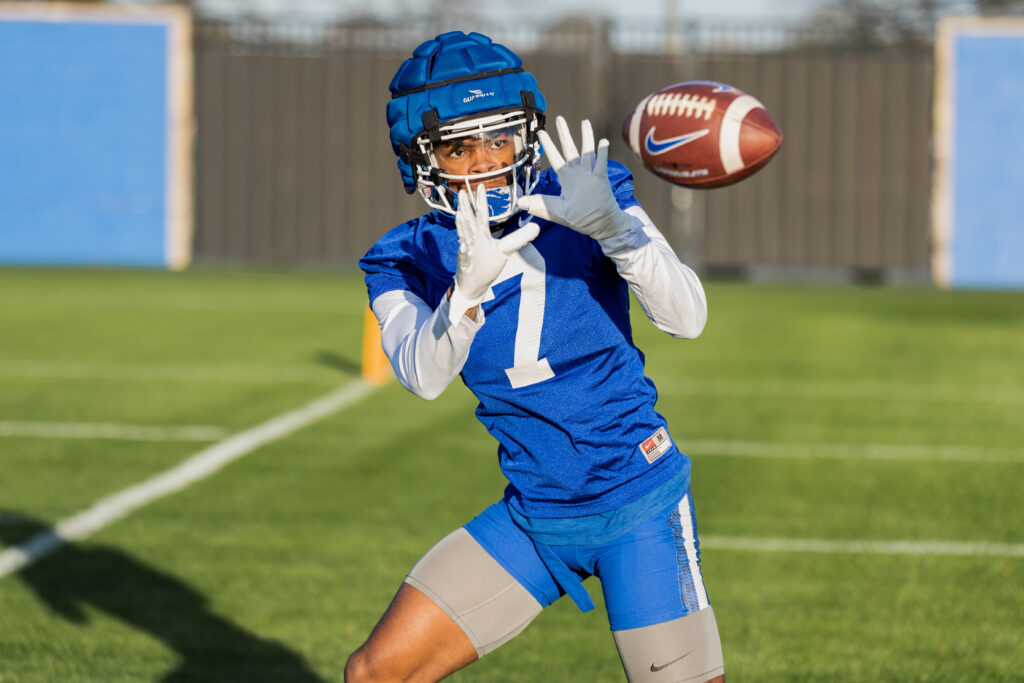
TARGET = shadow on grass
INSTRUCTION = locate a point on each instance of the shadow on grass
(333, 361)
(211, 648)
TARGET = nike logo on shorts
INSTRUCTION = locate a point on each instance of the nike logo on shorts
(656, 669)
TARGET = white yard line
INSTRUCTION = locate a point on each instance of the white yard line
(149, 301)
(198, 467)
(848, 451)
(105, 430)
(854, 389)
(818, 545)
(163, 372)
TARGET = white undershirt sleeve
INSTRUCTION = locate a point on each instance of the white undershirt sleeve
(425, 349)
(669, 292)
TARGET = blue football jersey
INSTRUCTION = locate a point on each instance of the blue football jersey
(560, 383)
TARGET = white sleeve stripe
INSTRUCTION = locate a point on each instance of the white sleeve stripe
(669, 292)
(388, 306)
(690, 546)
(396, 297)
(426, 351)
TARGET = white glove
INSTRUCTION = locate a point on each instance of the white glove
(587, 204)
(481, 256)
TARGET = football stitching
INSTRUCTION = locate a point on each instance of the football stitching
(674, 104)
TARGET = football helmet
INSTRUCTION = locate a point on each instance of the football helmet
(460, 86)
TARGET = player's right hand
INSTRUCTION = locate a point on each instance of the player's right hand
(587, 203)
(481, 256)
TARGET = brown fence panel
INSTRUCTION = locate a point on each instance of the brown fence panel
(294, 164)
(839, 194)
(210, 155)
(771, 233)
(674, 210)
(336, 140)
(915, 214)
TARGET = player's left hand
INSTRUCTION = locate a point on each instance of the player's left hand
(587, 204)
(482, 257)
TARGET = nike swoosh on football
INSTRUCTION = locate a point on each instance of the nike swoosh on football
(661, 146)
(656, 669)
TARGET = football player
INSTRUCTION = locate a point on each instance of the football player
(518, 281)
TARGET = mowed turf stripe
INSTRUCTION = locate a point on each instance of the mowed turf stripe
(818, 545)
(848, 451)
(106, 430)
(198, 467)
(774, 389)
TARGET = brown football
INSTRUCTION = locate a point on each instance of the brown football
(702, 134)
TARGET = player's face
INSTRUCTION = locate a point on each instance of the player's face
(481, 153)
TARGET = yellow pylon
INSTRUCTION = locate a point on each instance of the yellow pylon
(376, 368)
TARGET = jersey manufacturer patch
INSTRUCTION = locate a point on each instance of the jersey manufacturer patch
(656, 445)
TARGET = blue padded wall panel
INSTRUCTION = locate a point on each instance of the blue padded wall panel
(987, 247)
(83, 143)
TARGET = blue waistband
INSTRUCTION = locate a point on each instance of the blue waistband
(606, 526)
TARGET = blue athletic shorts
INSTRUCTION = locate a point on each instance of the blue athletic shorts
(648, 575)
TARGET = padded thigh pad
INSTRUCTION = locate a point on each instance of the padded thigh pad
(684, 650)
(474, 590)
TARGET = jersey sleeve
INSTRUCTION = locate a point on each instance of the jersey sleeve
(389, 265)
(669, 292)
(425, 349)
(621, 180)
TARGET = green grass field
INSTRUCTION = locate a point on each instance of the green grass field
(812, 414)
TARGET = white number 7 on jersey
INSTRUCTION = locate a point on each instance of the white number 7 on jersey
(527, 367)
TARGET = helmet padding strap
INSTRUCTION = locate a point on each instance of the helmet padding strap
(432, 125)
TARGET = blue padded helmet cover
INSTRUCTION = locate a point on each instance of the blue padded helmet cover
(458, 57)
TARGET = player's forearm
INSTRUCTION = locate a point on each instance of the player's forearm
(669, 292)
(426, 351)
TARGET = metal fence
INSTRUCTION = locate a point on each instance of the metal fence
(294, 164)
